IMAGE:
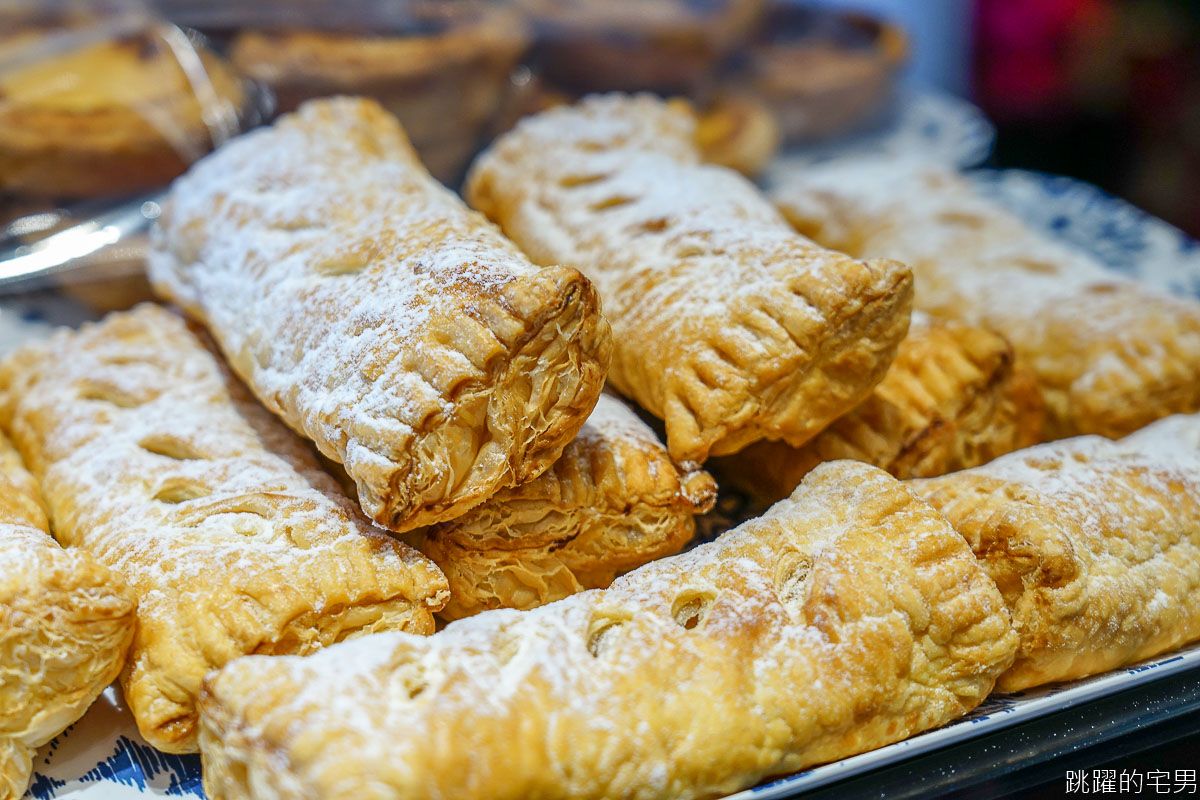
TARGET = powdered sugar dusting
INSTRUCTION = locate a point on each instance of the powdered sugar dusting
(352, 291)
(1086, 331)
(733, 641)
(706, 286)
(157, 462)
(611, 418)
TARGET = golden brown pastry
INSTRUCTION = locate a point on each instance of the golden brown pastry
(954, 398)
(443, 70)
(848, 617)
(65, 624)
(727, 325)
(1110, 355)
(109, 117)
(158, 463)
(612, 502)
(366, 306)
(1094, 544)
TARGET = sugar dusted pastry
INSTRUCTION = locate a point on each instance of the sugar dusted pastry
(726, 324)
(954, 398)
(1110, 355)
(850, 616)
(1094, 544)
(612, 502)
(365, 305)
(65, 624)
(159, 464)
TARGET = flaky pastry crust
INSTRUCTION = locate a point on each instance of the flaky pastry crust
(1094, 544)
(954, 398)
(1110, 355)
(158, 463)
(727, 325)
(366, 306)
(850, 616)
(65, 625)
(612, 502)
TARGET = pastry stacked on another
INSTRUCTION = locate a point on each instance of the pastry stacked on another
(1109, 354)
(65, 624)
(612, 502)
(727, 324)
(111, 117)
(954, 398)
(850, 616)
(154, 460)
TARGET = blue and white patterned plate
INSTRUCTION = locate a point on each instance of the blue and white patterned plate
(102, 757)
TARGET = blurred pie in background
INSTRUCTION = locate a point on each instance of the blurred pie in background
(441, 67)
(666, 46)
(85, 114)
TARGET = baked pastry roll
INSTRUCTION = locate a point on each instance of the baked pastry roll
(612, 502)
(954, 398)
(850, 616)
(65, 624)
(1110, 355)
(727, 325)
(158, 463)
(109, 117)
(1094, 544)
(366, 306)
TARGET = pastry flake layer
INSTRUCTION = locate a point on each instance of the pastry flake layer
(612, 502)
(1095, 545)
(954, 398)
(1110, 355)
(726, 324)
(378, 316)
(158, 463)
(850, 616)
(65, 625)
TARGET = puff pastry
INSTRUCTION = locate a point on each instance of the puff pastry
(366, 306)
(65, 624)
(727, 325)
(851, 615)
(158, 463)
(612, 502)
(1110, 355)
(954, 398)
(1094, 544)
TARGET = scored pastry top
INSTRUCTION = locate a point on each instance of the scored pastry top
(846, 617)
(727, 324)
(364, 304)
(1110, 354)
(158, 462)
